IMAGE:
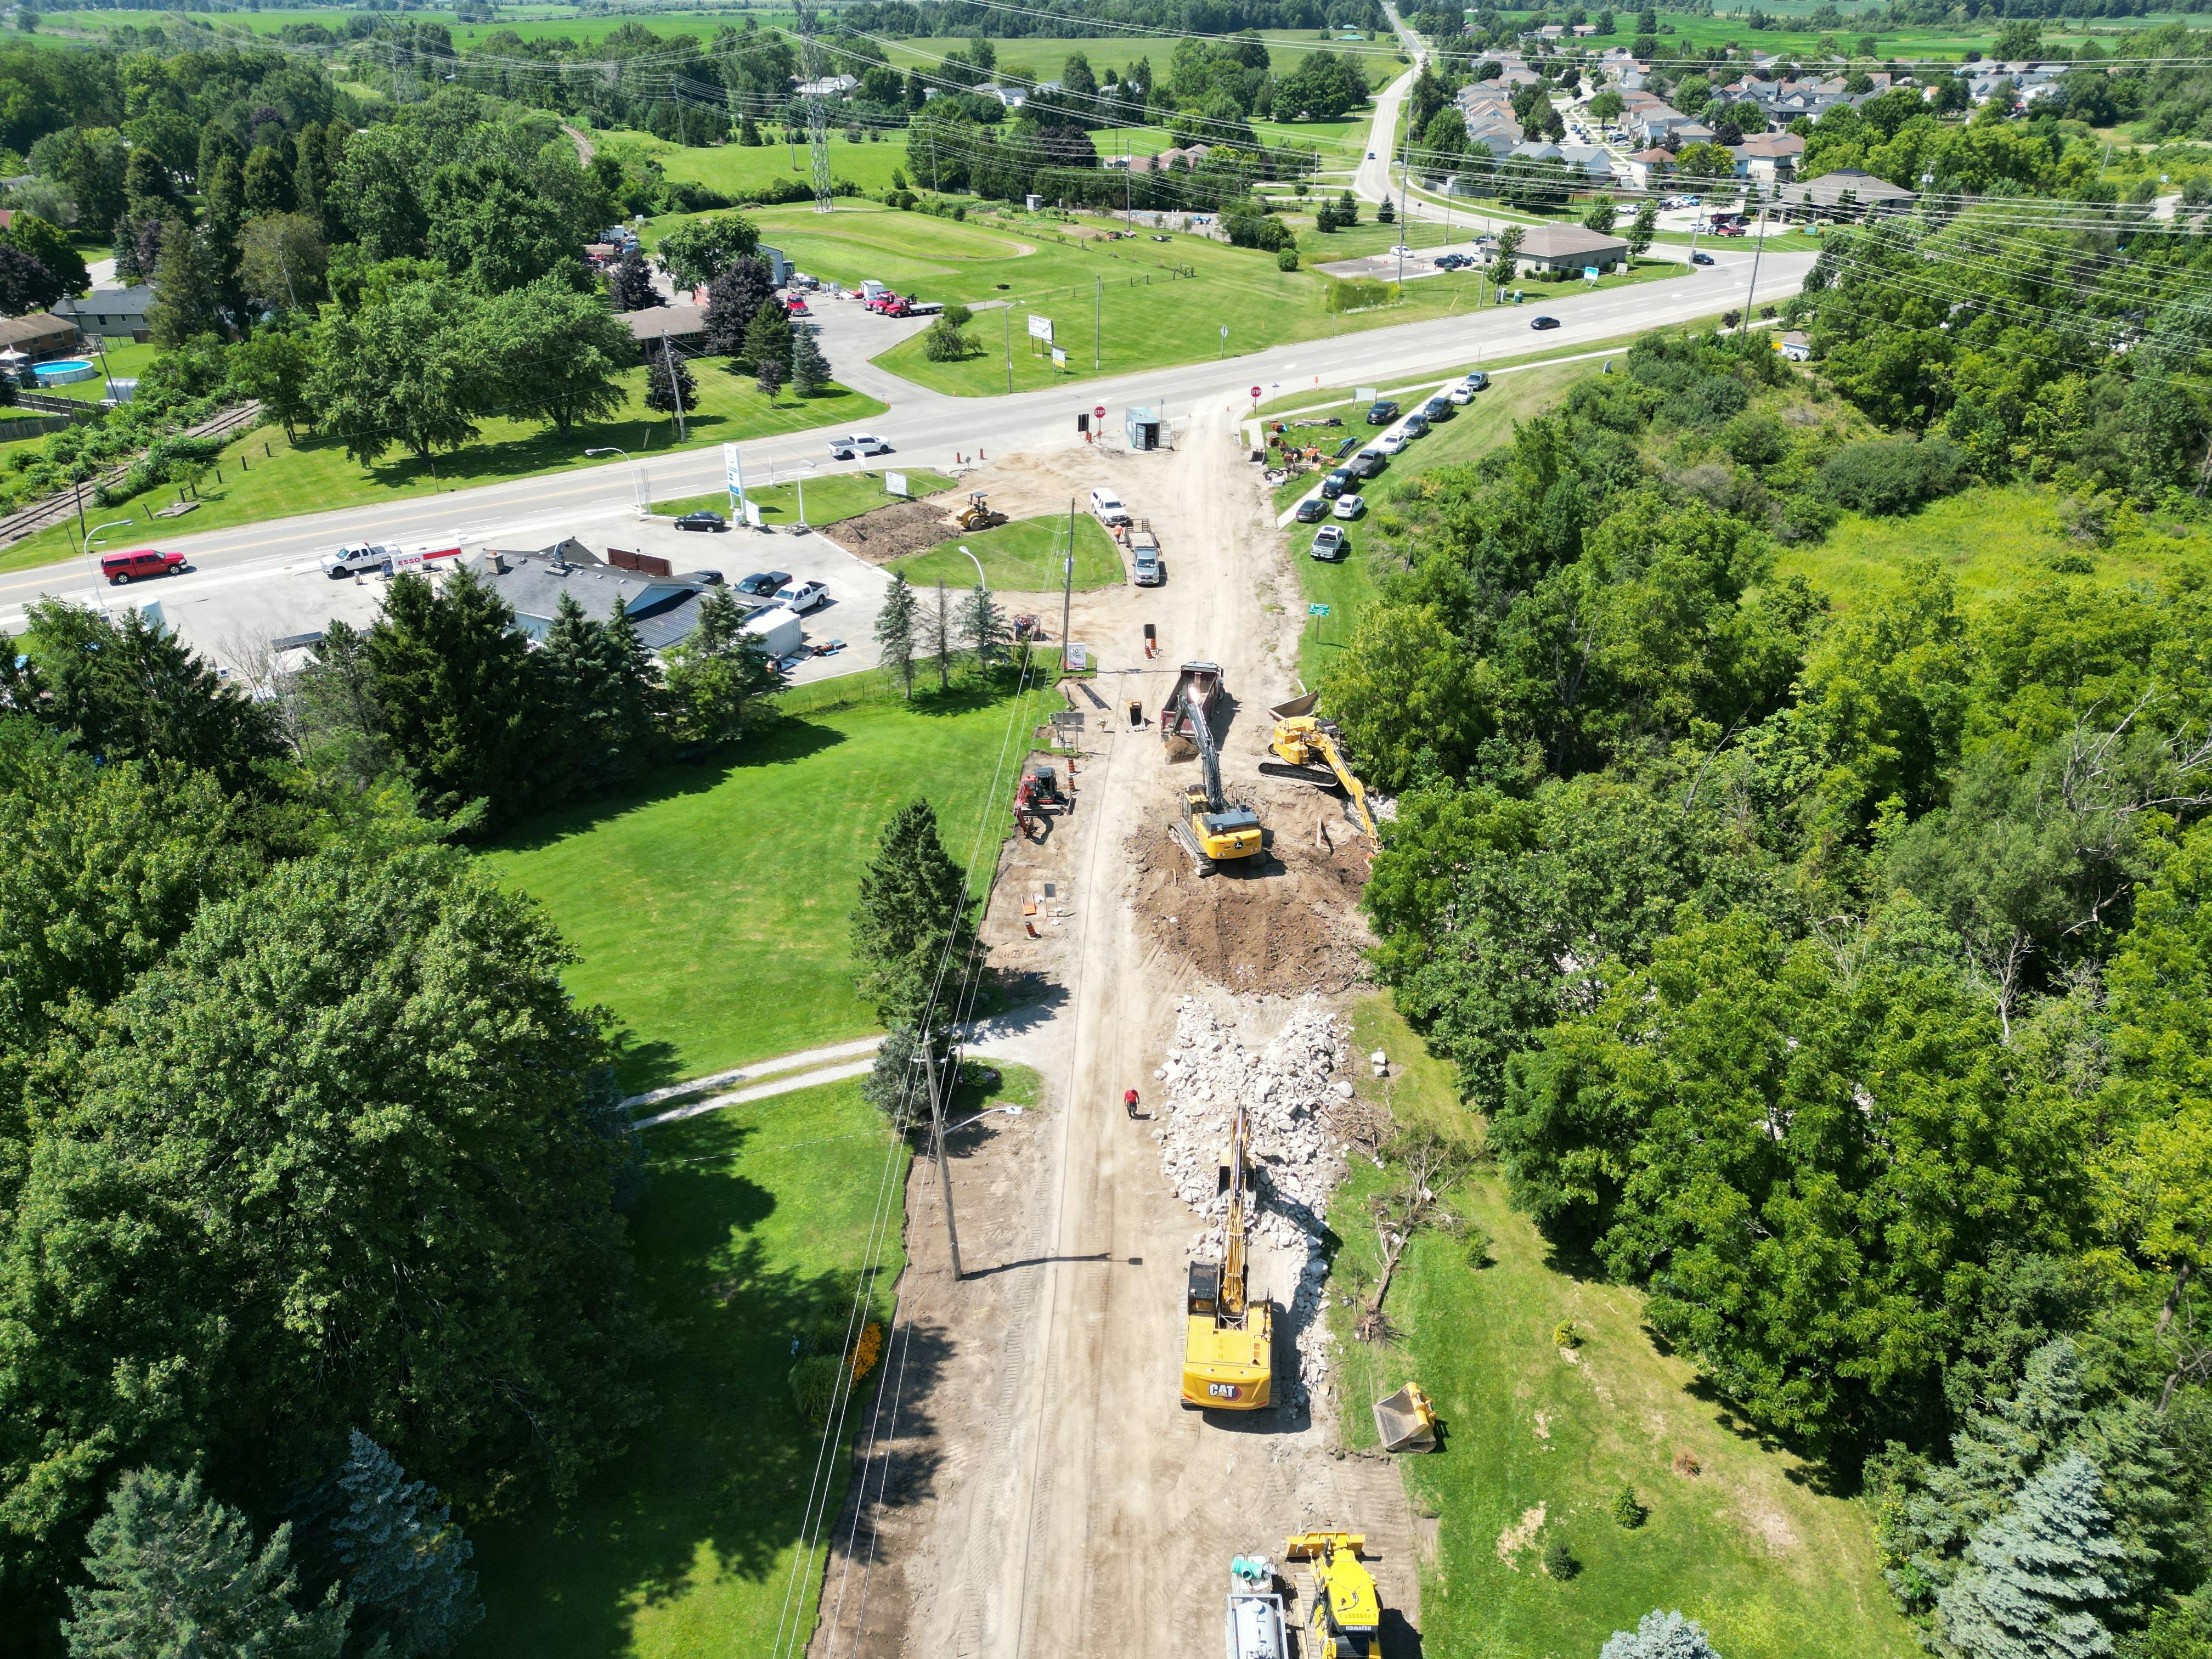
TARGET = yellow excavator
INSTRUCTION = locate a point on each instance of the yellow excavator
(1312, 751)
(1213, 828)
(1228, 1352)
(1347, 1613)
(977, 514)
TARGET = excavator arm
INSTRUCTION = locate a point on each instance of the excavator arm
(1352, 787)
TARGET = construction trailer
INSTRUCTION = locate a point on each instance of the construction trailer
(1345, 1616)
(1229, 1337)
(1311, 750)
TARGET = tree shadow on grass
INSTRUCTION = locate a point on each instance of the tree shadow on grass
(716, 1484)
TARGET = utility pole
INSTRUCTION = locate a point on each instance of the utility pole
(1067, 584)
(675, 388)
(1405, 173)
(1097, 308)
(1758, 249)
(937, 1145)
(1009, 332)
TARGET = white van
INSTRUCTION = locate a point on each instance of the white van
(1107, 505)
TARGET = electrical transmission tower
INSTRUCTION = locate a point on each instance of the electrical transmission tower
(817, 108)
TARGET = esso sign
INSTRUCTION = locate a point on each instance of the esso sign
(1099, 413)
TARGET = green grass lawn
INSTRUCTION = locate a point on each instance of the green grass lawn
(123, 360)
(1021, 557)
(712, 910)
(1992, 540)
(1749, 1546)
(734, 169)
(752, 1233)
(279, 479)
(838, 496)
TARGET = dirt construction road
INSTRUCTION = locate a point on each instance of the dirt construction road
(1044, 1492)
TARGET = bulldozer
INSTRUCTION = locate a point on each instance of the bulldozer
(1212, 829)
(1311, 749)
(1228, 1353)
(1347, 1613)
(977, 514)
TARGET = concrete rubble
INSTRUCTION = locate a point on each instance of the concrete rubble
(1289, 1086)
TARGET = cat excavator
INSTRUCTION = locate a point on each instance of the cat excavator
(1228, 1353)
(1213, 828)
(1312, 752)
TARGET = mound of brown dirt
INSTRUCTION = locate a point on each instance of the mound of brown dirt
(904, 527)
(1286, 921)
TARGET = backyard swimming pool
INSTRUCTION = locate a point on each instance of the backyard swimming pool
(64, 370)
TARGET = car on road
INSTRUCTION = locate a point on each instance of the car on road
(1453, 261)
(1370, 154)
(1108, 506)
(1368, 463)
(1328, 542)
(1476, 382)
(860, 443)
(1391, 443)
(1438, 409)
(1461, 395)
(121, 569)
(1701, 258)
(1381, 412)
(702, 521)
(1351, 506)
(1336, 484)
(802, 598)
(1543, 322)
(762, 584)
(1310, 509)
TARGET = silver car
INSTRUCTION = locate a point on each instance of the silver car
(1329, 541)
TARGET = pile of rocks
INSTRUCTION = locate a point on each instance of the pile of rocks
(1288, 1087)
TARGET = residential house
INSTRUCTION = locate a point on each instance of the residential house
(38, 336)
(1847, 191)
(830, 86)
(1795, 346)
(1190, 156)
(1011, 97)
(1585, 30)
(1570, 249)
(684, 326)
(1693, 132)
(664, 609)
(1593, 161)
(1535, 149)
(111, 313)
(1772, 157)
(1647, 169)
(1496, 134)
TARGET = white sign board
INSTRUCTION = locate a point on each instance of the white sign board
(895, 482)
(1365, 394)
(733, 470)
(1589, 273)
(1058, 357)
(1041, 328)
(752, 512)
(1079, 656)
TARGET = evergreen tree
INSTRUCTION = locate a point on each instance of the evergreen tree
(809, 369)
(128, 271)
(630, 282)
(1386, 212)
(768, 374)
(1347, 211)
(912, 903)
(668, 382)
(1660, 1636)
(767, 343)
(749, 132)
(604, 690)
(405, 1562)
(2039, 1577)
(717, 673)
(185, 284)
(734, 299)
(173, 1572)
(940, 635)
(895, 631)
(982, 625)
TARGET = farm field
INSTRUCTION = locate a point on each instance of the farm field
(1681, 30)
(711, 909)
(1542, 1437)
(1021, 557)
(838, 495)
(279, 478)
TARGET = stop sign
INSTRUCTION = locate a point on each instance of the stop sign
(1099, 413)
(1255, 394)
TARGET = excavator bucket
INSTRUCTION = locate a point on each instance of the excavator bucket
(1405, 1421)
(1305, 1545)
(1296, 707)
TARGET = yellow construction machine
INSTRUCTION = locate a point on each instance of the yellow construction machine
(977, 514)
(1228, 1353)
(1214, 827)
(1312, 751)
(1347, 1615)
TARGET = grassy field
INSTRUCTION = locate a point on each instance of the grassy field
(712, 910)
(839, 495)
(278, 479)
(1021, 557)
(735, 170)
(122, 362)
(1538, 1441)
(750, 1234)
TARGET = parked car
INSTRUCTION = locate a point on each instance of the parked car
(1391, 442)
(1108, 506)
(1543, 322)
(803, 597)
(1701, 258)
(1336, 484)
(846, 449)
(1310, 509)
(1381, 412)
(124, 568)
(1350, 506)
(357, 559)
(1461, 395)
(1416, 425)
(1368, 463)
(1438, 409)
(1328, 542)
(1477, 381)
(700, 578)
(1146, 569)
(796, 307)
(702, 521)
(762, 584)
(801, 279)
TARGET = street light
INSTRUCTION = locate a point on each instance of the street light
(978, 563)
(637, 478)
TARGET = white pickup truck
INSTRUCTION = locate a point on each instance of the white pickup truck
(351, 561)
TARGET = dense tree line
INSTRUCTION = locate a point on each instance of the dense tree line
(1838, 979)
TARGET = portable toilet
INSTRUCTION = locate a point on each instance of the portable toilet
(1144, 430)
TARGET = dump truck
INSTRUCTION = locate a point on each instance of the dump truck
(1311, 749)
(1405, 1421)
(1213, 828)
(1229, 1339)
(1347, 1617)
(1255, 1626)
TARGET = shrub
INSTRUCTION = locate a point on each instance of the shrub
(1889, 475)
(1559, 1561)
(942, 343)
(1566, 1335)
(815, 1379)
(1627, 1510)
(1287, 259)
